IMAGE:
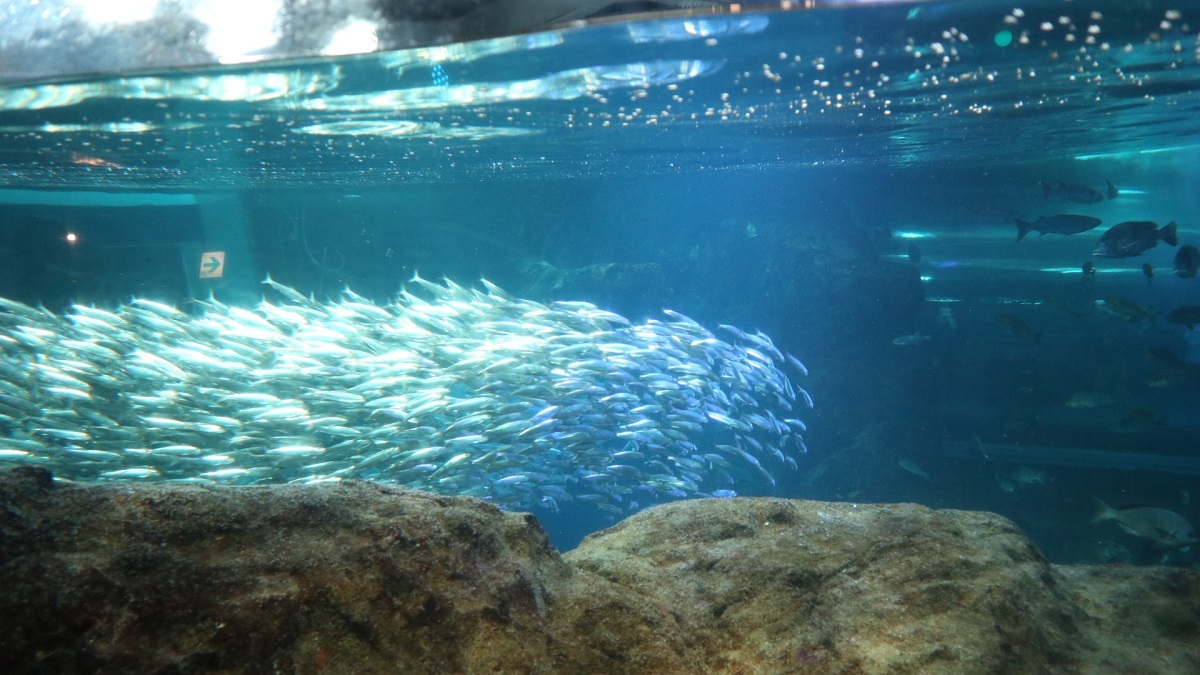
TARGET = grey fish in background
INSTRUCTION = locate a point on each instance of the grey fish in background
(1133, 237)
(1020, 478)
(976, 447)
(1080, 194)
(447, 388)
(1025, 475)
(1137, 421)
(1061, 224)
(1187, 261)
(913, 468)
(910, 340)
(1164, 527)
(1059, 304)
(1164, 378)
(1088, 399)
(1165, 356)
(1188, 315)
(1148, 271)
(1017, 326)
(1125, 309)
(1112, 189)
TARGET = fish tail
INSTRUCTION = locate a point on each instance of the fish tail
(1103, 511)
(1022, 228)
(1167, 233)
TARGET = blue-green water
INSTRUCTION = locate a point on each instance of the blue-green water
(844, 180)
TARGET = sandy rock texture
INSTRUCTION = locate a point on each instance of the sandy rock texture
(789, 586)
(355, 577)
(362, 578)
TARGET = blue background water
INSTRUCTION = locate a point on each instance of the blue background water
(772, 171)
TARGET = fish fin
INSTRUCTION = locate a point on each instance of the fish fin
(1103, 511)
(1022, 228)
(1167, 233)
(1127, 529)
(1166, 539)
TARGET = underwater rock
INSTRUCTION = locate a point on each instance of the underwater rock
(794, 586)
(775, 585)
(356, 577)
(365, 578)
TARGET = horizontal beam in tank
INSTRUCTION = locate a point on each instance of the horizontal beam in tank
(89, 198)
(1098, 459)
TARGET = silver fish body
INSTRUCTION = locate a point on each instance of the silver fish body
(446, 388)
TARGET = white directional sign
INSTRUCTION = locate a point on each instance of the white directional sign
(212, 264)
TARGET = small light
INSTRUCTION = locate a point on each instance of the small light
(71, 238)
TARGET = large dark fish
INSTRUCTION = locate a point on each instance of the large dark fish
(914, 253)
(1061, 224)
(1188, 315)
(1080, 194)
(1187, 261)
(1133, 237)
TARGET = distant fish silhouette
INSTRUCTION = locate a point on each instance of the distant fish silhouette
(1080, 194)
(1017, 326)
(1187, 261)
(1060, 224)
(1133, 237)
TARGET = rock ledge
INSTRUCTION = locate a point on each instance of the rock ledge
(357, 577)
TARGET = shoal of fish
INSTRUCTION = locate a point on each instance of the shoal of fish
(446, 388)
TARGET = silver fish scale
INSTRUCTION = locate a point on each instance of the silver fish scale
(447, 389)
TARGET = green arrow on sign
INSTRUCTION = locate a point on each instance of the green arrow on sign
(212, 264)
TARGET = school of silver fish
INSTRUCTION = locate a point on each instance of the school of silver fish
(446, 388)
